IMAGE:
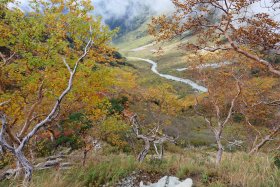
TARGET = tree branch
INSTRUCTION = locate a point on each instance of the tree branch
(4, 103)
(253, 57)
(233, 103)
(3, 130)
(265, 139)
(52, 114)
(6, 60)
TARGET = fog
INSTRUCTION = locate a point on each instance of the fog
(119, 8)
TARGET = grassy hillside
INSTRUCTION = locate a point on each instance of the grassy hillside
(134, 39)
(136, 111)
(170, 56)
(195, 155)
(108, 169)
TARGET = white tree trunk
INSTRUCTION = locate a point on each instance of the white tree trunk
(27, 167)
(220, 148)
(142, 155)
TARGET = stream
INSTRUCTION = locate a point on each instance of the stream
(170, 77)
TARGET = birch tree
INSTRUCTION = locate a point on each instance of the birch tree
(41, 55)
(217, 107)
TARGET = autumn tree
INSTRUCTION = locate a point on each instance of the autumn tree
(148, 123)
(217, 106)
(249, 28)
(245, 33)
(39, 50)
(259, 108)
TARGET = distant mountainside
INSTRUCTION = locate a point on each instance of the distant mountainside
(131, 18)
(126, 24)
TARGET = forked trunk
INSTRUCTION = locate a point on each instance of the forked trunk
(142, 155)
(27, 167)
(159, 153)
(220, 149)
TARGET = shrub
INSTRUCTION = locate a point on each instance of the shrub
(117, 105)
(107, 172)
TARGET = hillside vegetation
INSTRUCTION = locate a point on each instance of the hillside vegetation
(85, 104)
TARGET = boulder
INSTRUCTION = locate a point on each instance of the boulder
(170, 181)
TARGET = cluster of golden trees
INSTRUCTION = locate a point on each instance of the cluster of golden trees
(52, 52)
(230, 30)
(44, 53)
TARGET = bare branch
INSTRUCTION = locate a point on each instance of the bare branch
(265, 139)
(252, 126)
(3, 130)
(67, 65)
(233, 103)
(6, 60)
(4, 103)
(148, 139)
(214, 49)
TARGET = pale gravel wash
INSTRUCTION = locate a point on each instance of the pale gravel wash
(170, 77)
(203, 66)
(142, 47)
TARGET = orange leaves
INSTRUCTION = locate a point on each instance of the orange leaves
(259, 32)
(164, 28)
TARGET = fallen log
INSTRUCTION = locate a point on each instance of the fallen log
(56, 161)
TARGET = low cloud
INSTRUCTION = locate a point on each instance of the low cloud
(120, 8)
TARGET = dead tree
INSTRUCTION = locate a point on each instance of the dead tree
(152, 137)
(17, 149)
(91, 144)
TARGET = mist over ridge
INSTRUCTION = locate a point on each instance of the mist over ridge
(130, 14)
(119, 8)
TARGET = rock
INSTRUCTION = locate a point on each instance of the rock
(186, 183)
(129, 181)
(169, 181)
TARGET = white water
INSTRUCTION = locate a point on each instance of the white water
(170, 77)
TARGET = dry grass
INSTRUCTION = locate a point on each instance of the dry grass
(236, 169)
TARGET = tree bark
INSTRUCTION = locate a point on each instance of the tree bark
(220, 149)
(26, 165)
(142, 155)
